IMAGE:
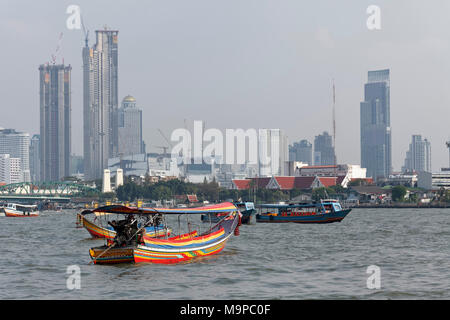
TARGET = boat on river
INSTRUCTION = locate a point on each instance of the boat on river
(247, 209)
(20, 210)
(131, 245)
(325, 211)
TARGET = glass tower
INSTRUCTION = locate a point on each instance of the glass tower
(100, 103)
(55, 122)
(376, 149)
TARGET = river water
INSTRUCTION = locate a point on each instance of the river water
(267, 261)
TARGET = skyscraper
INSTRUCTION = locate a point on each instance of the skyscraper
(100, 103)
(301, 151)
(376, 149)
(130, 128)
(55, 128)
(323, 150)
(418, 157)
(17, 145)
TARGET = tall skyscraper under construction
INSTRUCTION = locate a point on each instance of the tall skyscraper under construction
(376, 147)
(55, 121)
(100, 102)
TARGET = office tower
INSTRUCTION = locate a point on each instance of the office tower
(418, 157)
(55, 129)
(273, 152)
(17, 145)
(10, 171)
(130, 128)
(100, 103)
(35, 158)
(376, 149)
(323, 150)
(76, 165)
(301, 151)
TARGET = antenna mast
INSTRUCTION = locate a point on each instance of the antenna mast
(334, 129)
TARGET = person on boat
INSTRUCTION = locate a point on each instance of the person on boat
(120, 227)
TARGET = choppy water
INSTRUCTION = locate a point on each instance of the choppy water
(267, 261)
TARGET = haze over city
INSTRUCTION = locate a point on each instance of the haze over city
(244, 64)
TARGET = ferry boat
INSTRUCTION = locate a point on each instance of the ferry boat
(325, 211)
(247, 209)
(20, 210)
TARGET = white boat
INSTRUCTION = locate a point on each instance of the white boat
(20, 210)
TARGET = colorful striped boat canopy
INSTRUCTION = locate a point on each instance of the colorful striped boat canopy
(217, 208)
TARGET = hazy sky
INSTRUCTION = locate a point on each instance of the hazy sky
(244, 64)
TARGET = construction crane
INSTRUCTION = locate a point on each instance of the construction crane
(86, 32)
(165, 138)
(58, 49)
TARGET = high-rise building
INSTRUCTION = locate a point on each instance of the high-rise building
(376, 147)
(35, 158)
(100, 103)
(418, 157)
(10, 171)
(17, 145)
(55, 112)
(324, 154)
(301, 151)
(130, 128)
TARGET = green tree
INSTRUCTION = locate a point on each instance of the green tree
(398, 193)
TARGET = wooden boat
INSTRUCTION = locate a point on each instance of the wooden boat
(247, 209)
(173, 249)
(325, 211)
(98, 231)
(20, 210)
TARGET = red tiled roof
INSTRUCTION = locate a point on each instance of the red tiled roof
(327, 181)
(285, 183)
(242, 184)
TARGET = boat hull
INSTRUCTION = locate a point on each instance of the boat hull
(15, 213)
(173, 250)
(331, 217)
(149, 255)
(106, 255)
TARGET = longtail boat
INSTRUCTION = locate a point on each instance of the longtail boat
(175, 249)
(325, 211)
(247, 209)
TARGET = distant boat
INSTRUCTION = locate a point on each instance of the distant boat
(20, 210)
(325, 211)
(247, 209)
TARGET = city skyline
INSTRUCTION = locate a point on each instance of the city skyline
(306, 95)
